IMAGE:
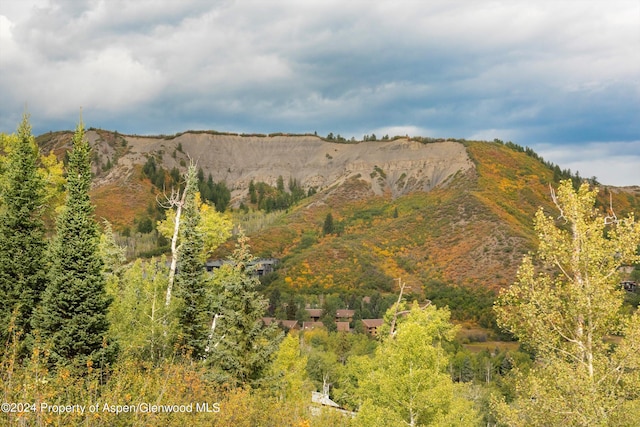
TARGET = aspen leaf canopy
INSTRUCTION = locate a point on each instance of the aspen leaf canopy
(214, 226)
(566, 305)
(407, 383)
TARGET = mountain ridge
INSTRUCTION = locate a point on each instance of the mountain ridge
(453, 212)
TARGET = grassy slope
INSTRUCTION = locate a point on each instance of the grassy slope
(472, 233)
(440, 235)
(122, 202)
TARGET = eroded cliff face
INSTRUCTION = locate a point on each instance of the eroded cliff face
(397, 167)
(393, 167)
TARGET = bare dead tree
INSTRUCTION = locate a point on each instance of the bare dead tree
(173, 200)
(609, 219)
(422, 307)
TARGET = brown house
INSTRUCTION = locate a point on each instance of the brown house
(314, 314)
(372, 325)
(288, 324)
(342, 315)
(343, 326)
(307, 326)
(345, 315)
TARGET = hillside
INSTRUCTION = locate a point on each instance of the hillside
(436, 213)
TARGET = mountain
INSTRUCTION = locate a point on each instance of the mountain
(431, 212)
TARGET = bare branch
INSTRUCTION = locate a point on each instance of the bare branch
(554, 197)
(168, 201)
(612, 218)
(174, 241)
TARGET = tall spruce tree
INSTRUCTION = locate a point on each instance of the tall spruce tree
(241, 346)
(22, 243)
(73, 313)
(191, 283)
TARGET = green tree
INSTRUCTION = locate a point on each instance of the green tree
(139, 319)
(328, 227)
(240, 345)
(407, 383)
(192, 283)
(73, 314)
(253, 197)
(22, 243)
(565, 310)
(113, 255)
(288, 373)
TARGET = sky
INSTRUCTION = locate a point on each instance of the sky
(561, 76)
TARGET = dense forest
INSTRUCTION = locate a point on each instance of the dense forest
(93, 338)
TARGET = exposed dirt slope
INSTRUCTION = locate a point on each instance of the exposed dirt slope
(398, 166)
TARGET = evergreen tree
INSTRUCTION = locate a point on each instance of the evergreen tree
(292, 308)
(240, 346)
(253, 198)
(328, 227)
(22, 244)
(73, 313)
(191, 283)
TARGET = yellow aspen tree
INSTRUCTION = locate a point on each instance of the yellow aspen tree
(566, 306)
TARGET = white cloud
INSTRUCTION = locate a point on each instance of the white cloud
(613, 163)
(526, 72)
(400, 130)
(108, 80)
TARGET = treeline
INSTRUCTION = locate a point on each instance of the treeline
(215, 192)
(467, 303)
(558, 173)
(267, 198)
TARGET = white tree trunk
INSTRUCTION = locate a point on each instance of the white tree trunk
(211, 332)
(174, 248)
